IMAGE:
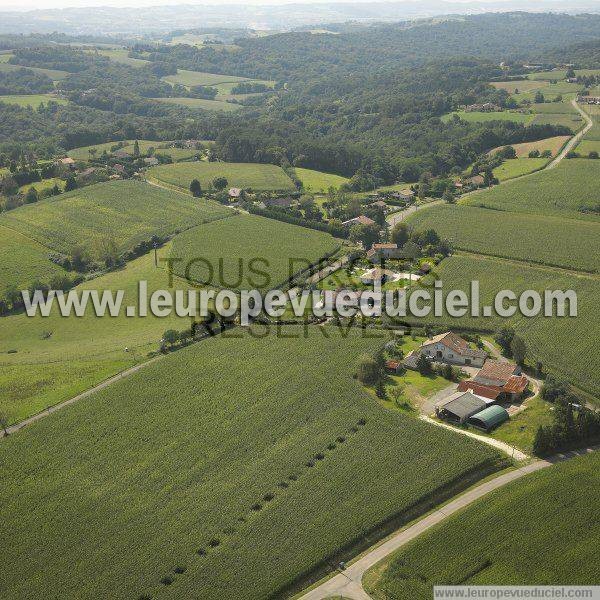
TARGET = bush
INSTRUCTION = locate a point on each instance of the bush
(167, 580)
(368, 370)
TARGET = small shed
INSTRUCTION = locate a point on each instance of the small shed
(489, 418)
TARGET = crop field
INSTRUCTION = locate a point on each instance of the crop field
(201, 103)
(515, 167)
(190, 78)
(559, 191)
(565, 345)
(554, 108)
(176, 154)
(120, 55)
(317, 181)
(549, 240)
(560, 74)
(54, 74)
(126, 212)
(554, 144)
(239, 249)
(23, 260)
(509, 536)
(243, 175)
(32, 100)
(586, 146)
(522, 85)
(484, 117)
(265, 478)
(573, 122)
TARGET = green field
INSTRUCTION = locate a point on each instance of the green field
(176, 154)
(565, 345)
(515, 167)
(573, 122)
(32, 100)
(554, 144)
(126, 212)
(52, 73)
(44, 184)
(280, 471)
(586, 146)
(522, 85)
(508, 537)
(554, 108)
(201, 103)
(317, 181)
(243, 175)
(190, 78)
(559, 191)
(120, 55)
(560, 74)
(484, 117)
(230, 245)
(549, 240)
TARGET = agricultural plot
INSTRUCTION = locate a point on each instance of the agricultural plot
(265, 478)
(317, 181)
(560, 74)
(54, 74)
(520, 85)
(83, 153)
(554, 144)
(201, 103)
(32, 100)
(484, 117)
(515, 167)
(191, 78)
(586, 146)
(247, 252)
(549, 240)
(559, 191)
(564, 345)
(120, 55)
(44, 184)
(554, 108)
(509, 536)
(23, 260)
(573, 122)
(242, 175)
(124, 212)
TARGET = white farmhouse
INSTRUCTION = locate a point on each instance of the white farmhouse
(451, 348)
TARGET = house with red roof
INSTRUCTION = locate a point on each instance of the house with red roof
(450, 348)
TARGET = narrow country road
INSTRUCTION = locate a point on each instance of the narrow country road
(348, 583)
(575, 139)
(401, 215)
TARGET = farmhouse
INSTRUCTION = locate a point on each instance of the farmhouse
(360, 220)
(496, 372)
(476, 180)
(67, 162)
(589, 99)
(151, 161)
(451, 348)
(496, 381)
(120, 154)
(383, 251)
(459, 406)
(404, 195)
(485, 107)
(380, 204)
(234, 192)
(393, 366)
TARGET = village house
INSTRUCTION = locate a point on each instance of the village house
(485, 107)
(404, 195)
(119, 168)
(589, 99)
(151, 161)
(393, 366)
(234, 192)
(452, 349)
(121, 154)
(476, 180)
(379, 252)
(497, 381)
(66, 162)
(380, 204)
(360, 220)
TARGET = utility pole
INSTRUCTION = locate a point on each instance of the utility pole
(155, 254)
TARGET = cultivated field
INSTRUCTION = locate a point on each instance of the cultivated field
(32, 100)
(484, 117)
(201, 103)
(522, 85)
(549, 240)
(573, 122)
(120, 55)
(317, 181)
(559, 74)
(515, 167)
(559, 191)
(190, 78)
(509, 536)
(243, 175)
(554, 108)
(126, 212)
(587, 146)
(176, 154)
(554, 144)
(176, 475)
(247, 252)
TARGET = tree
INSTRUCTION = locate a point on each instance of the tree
(4, 422)
(107, 250)
(539, 97)
(380, 389)
(571, 73)
(9, 186)
(504, 338)
(410, 250)
(534, 153)
(518, 349)
(196, 188)
(70, 184)
(185, 336)
(448, 196)
(593, 154)
(32, 196)
(171, 337)
(424, 365)
(554, 388)
(79, 258)
(136, 149)
(367, 235)
(220, 183)
(400, 234)
(368, 371)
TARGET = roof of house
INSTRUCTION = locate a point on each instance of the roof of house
(234, 192)
(392, 365)
(479, 389)
(384, 246)
(67, 161)
(87, 171)
(455, 343)
(362, 219)
(120, 154)
(491, 416)
(496, 372)
(410, 360)
(476, 179)
(380, 203)
(517, 384)
(463, 404)
(377, 273)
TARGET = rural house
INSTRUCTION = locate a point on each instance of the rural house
(376, 275)
(497, 380)
(452, 349)
(360, 220)
(380, 252)
(404, 195)
(234, 192)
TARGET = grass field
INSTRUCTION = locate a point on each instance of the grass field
(554, 144)
(44, 184)
(317, 181)
(565, 345)
(240, 247)
(127, 212)
(267, 476)
(515, 167)
(509, 536)
(586, 146)
(522, 85)
(484, 117)
(573, 122)
(559, 191)
(120, 55)
(55, 75)
(201, 103)
(32, 100)
(176, 154)
(554, 108)
(190, 78)
(559, 74)
(550, 240)
(243, 175)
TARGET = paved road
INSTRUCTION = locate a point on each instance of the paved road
(401, 215)
(349, 582)
(575, 139)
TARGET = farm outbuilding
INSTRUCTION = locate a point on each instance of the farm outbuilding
(489, 418)
(459, 407)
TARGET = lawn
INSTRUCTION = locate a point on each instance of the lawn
(32, 100)
(125, 212)
(586, 146)
(554, 144)
(550, 240)
(241, 248)
(44, 184)
(515, 167)
(180, 472)
(484, 117)
(201, 103)
(554, 108)
(559, 192)
(176, 154)
(317, 181)
(533, 531)
(243, 175)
